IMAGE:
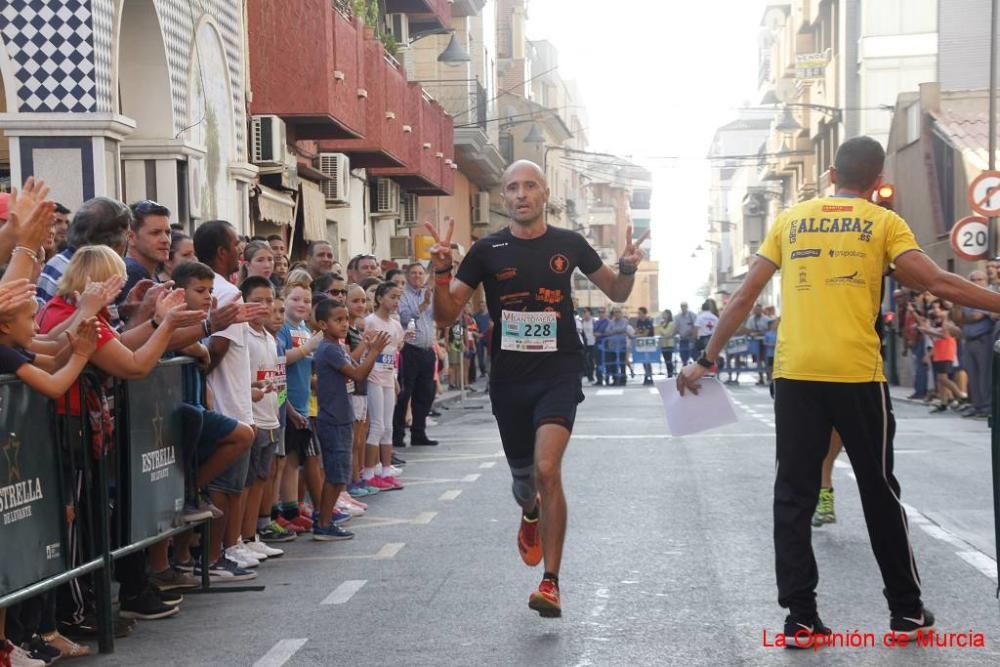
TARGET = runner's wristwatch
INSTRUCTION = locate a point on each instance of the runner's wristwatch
(704, 361)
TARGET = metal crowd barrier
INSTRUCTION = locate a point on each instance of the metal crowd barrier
(744, 354)
(614, 351)
(131, 494)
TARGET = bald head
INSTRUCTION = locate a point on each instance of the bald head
(524, 167)
(525, 193)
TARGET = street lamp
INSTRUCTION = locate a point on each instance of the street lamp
(788, 124)
(454, 53)
(534, 136)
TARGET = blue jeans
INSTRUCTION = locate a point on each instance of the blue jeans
(919, 373)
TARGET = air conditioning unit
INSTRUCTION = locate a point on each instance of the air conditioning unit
(408, 209)
(481, 209)
(398, 25)
(400, 247)
(336, 167)
(268, 141)
(385, 198)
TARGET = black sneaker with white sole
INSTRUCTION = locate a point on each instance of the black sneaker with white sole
(146, 606)
(911, 626)
(801, 632)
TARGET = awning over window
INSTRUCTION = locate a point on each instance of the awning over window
(313, 212)
(275, 207)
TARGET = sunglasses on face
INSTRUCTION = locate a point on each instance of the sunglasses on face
(342, 292)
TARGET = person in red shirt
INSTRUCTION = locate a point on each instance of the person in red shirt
(943, 356)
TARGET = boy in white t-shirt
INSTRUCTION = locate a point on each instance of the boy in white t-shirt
(265, 371)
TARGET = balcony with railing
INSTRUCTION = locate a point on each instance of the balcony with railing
(425, 15)
(306, 66)
(429, 142)
(478, 158)
(383, 142)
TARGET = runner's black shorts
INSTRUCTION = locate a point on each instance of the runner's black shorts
(522, 406)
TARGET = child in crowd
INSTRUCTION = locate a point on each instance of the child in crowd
(943, 356)
(258, 260)
(222, 441)
(269, 528)
(357, 306)
(334, 423)
(264, 393)
(300, 448)
(382, 389)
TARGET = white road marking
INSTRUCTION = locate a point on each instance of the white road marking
(344, 592)
(610, 392)
(424, 518)
(435, 459)
(389, 550)
(602, 597)
(654, 391)
(939, 533)
(451, 495)
(280, 653)
(471, 478)
(981, 562)
(487, 464)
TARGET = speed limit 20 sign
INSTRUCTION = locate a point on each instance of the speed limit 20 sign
(970, 238)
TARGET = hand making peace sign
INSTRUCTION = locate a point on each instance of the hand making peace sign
(441, 250)
(632, 255)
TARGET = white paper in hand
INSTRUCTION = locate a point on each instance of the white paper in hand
(710, 408)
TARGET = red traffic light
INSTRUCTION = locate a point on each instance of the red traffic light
(885, 195)
(889, 317)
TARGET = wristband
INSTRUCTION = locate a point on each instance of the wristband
(24, 250)
(627, 269)
(153, 322)
(443, 280)
(207, 328)
(704, 361)
(441, 272)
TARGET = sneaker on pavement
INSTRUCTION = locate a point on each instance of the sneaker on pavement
(380, 484)
(226, 570)
(801, 633)
(257, 546)
(396, 461)
(395, 471)
(87, 628)
(192, 513)
(350, 500)
(395, 483)
(340, 518)
(249, 553)
(545, 600)
(331, 533)
(241, 557)
(146, 606)
(303, 521)
(357, 491)
(169, 598)
(187, 567)
(15, 656)
(348, 508)
(273, 532)
(912, 626)
(370, 487)
(290, 526)
(173, 578)
(824, 509)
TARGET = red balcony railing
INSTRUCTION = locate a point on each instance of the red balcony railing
(428, 144)
(382, 143)
(306, 62)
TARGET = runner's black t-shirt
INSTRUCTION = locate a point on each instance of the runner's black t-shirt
(531, 275)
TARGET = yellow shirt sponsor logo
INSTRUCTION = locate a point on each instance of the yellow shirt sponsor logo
(833, 253)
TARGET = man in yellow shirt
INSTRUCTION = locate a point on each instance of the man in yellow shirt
(833, 253)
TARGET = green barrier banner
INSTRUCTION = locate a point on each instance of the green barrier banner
(32, 514)
(153, 452)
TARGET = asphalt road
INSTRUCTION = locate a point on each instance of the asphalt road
(669, 556)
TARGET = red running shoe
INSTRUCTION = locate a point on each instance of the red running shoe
(529, 542)
(546, 600)
(290, 525)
